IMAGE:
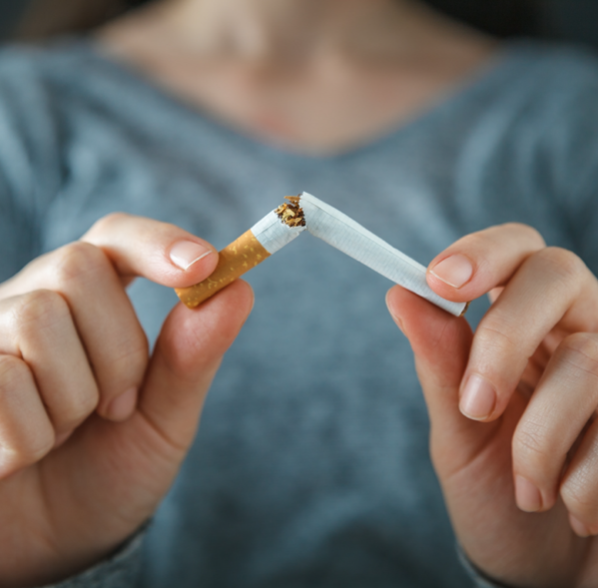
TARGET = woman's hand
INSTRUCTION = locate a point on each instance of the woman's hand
(92, 430)
(514, 438)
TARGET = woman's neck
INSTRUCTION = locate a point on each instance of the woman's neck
(293, 31)
(317, 75)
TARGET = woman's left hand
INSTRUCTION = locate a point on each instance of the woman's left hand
(514, 438)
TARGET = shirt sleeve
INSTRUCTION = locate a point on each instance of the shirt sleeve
(480, 580)
(121, 570)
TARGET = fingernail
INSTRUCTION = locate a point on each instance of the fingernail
(578, 527)
(478, 398)
(122, 407)
(528, 497)
(455, 271)
(185, 253)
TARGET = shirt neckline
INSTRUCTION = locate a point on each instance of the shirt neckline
(461, 90)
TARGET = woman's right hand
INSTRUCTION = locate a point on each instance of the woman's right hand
(92, 429)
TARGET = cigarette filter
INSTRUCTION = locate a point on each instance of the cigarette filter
(266, 237)
(340, 231)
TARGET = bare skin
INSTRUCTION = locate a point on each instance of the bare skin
(512, 406)
(92, 429)
(317, 76)
(92, 439)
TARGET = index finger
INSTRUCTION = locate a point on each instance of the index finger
(479, 262)
(160, 252)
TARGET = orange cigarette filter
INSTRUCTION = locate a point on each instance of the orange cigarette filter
(234, 260)
(270, 234)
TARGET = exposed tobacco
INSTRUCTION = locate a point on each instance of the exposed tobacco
(291, 213)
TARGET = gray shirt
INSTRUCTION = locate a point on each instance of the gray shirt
(311, 465)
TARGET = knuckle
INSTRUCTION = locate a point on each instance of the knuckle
(474, 241)
(532, 451)
(79, 408)
(13, 373)
(87, 403)
(39, 447)
(530, 233)
(562, 263)
(28, 451)
(128, 360)
(581, 351)
(131, 359)
(579, 499)
(134, 351)
(78, 259)
(21, 448)
(526, 236)
(106, 223)
(497, 334)
(31, 452)
(40, 309)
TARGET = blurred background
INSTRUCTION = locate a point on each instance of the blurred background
(568, 20)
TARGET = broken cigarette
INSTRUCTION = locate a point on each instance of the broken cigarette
(340, 231)
(306, 212)
(265, 238)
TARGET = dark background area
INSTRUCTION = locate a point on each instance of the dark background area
(577, 20)
(10, 10)
(567, 20)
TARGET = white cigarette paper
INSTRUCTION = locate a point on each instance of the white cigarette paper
(274, 234)
(343, 233)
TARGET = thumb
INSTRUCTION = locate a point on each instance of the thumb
(111, 476)
(441, 344)
(187, 355)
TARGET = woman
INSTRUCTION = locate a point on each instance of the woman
(311, 464)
